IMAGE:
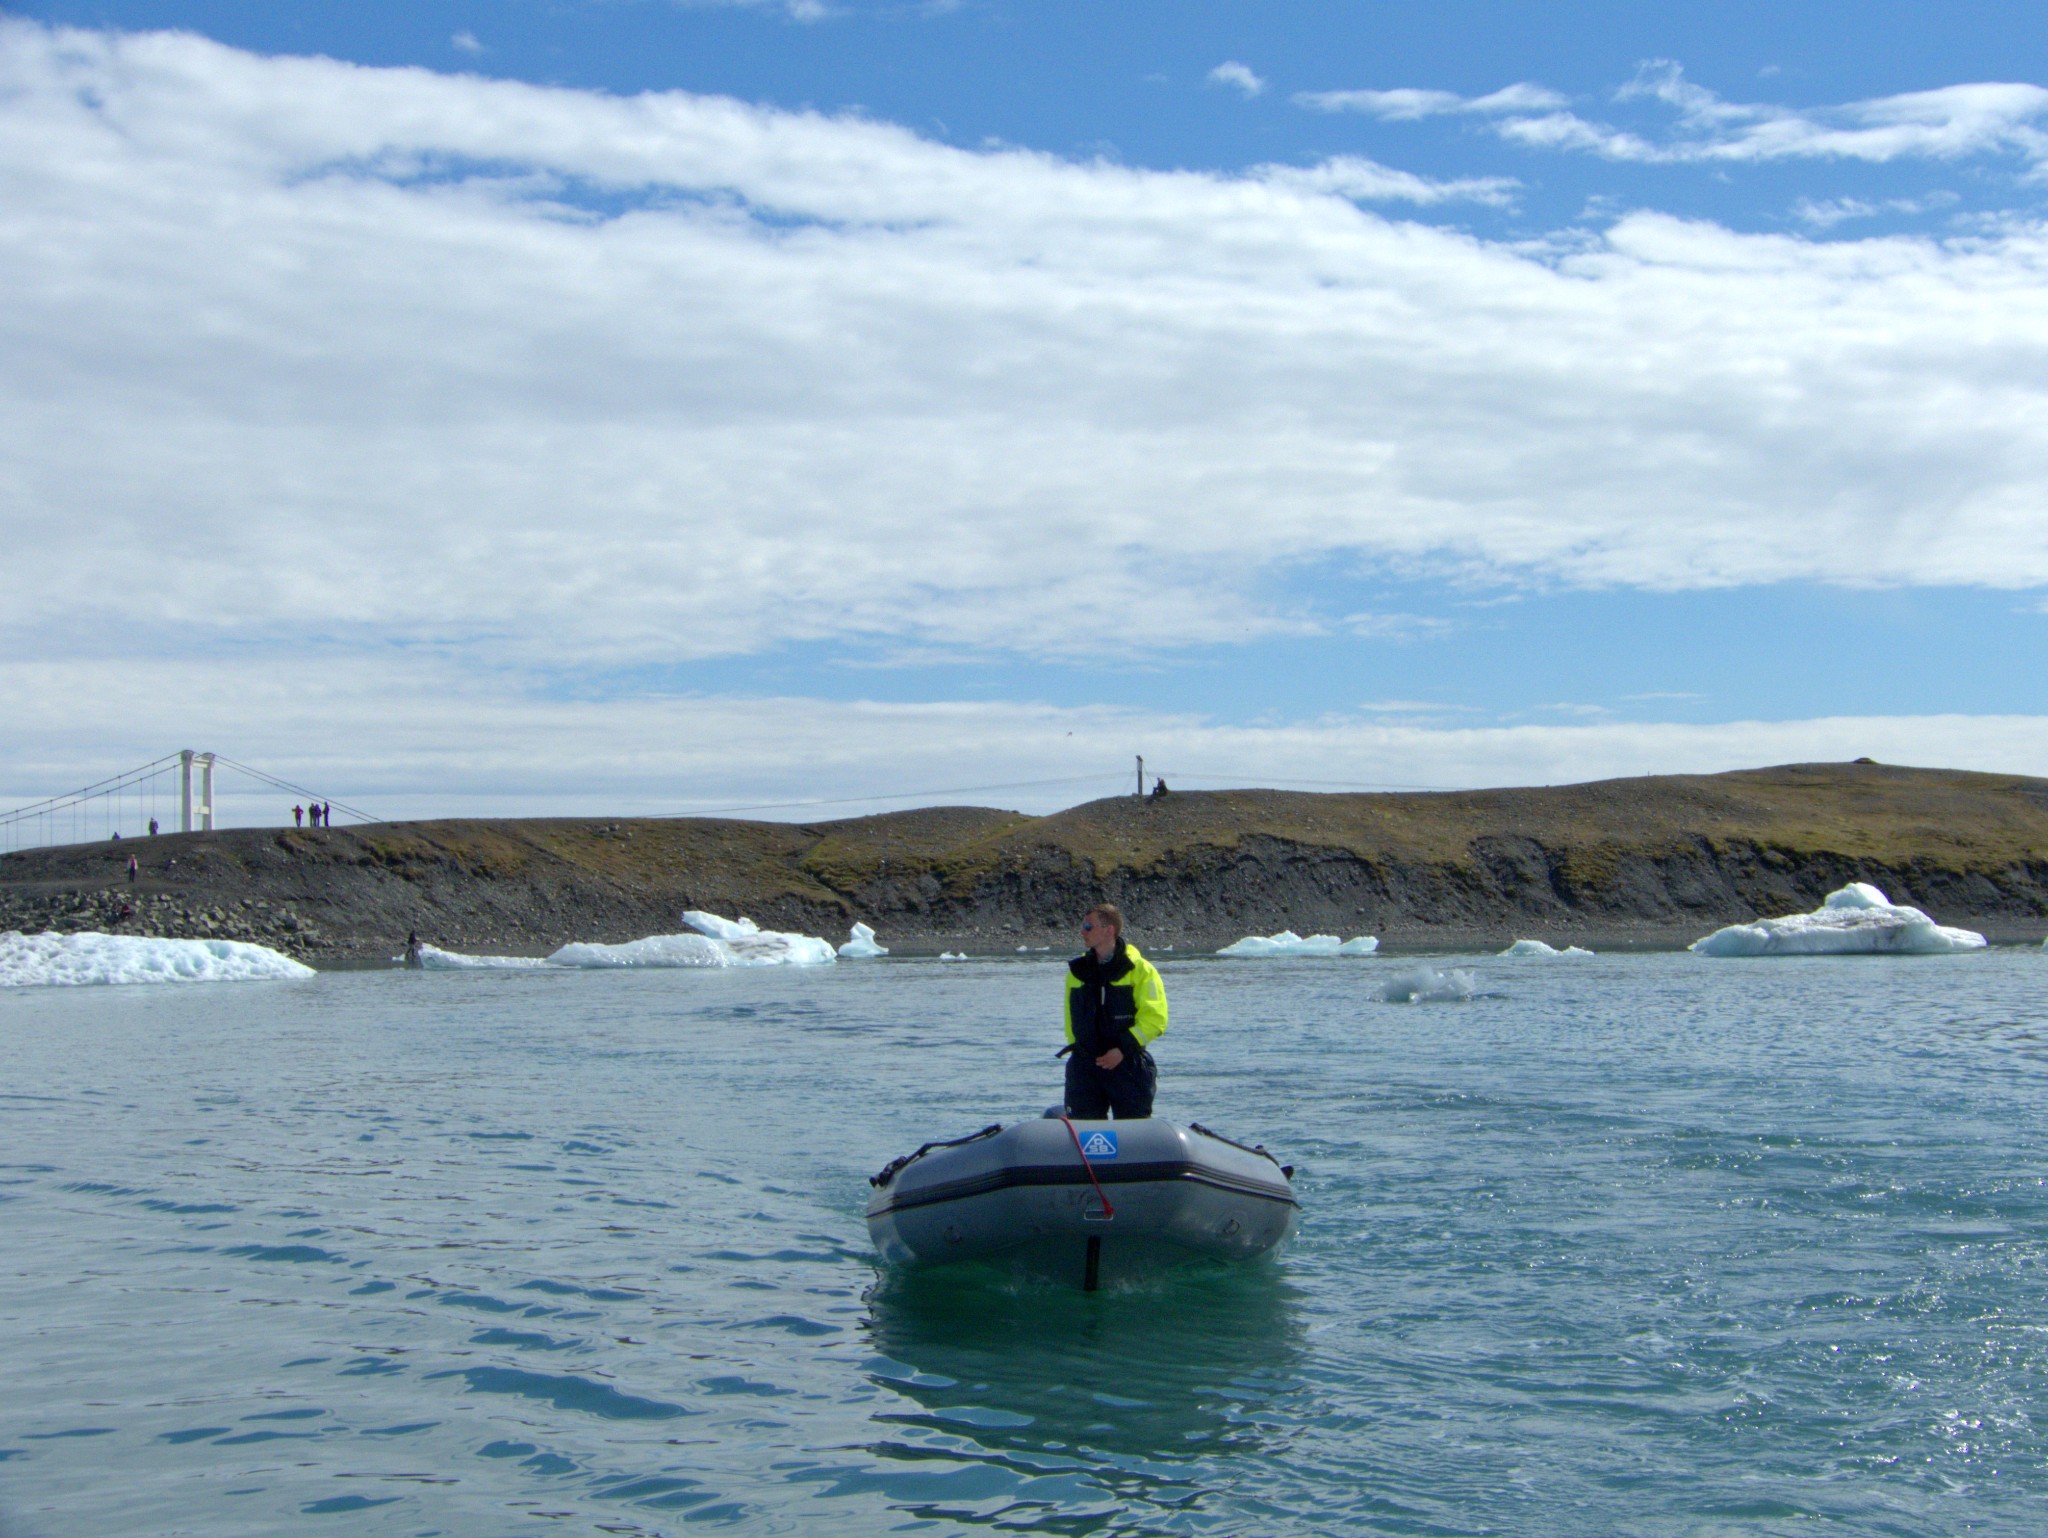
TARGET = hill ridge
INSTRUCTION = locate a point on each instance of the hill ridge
(1649, 860)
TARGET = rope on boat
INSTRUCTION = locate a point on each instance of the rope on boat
(1107, 1210)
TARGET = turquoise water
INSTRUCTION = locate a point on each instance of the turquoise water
(1644, 1245)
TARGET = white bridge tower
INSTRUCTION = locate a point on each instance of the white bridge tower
(186, 759)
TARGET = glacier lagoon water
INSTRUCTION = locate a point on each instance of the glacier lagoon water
(1635, 1244)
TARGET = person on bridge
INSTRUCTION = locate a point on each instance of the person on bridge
(1116, 1008)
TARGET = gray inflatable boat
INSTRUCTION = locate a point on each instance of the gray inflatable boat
(1088, 1201)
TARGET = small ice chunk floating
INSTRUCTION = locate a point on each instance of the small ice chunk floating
(1426, 985)
(90, 957)
(1288, 943)
(1539, 948)
(1083, 1201)
(862, 944)
(1857, 920)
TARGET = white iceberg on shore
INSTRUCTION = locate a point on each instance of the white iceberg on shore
(89, 957)
(1857, 920)
(1538, 948)
(1426, 985)
(862, 945)
(1288, 943)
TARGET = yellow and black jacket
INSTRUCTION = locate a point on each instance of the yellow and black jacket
(1115, 1003)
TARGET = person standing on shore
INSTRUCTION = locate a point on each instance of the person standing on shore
(298, 816)
(1116, 1008)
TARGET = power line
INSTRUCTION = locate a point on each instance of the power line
(103, 787)
(298, 790)
(909, 795)
(1256, 782)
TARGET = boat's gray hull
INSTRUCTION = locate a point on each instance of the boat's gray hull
(1023, 1193)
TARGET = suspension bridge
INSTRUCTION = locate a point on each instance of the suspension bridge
(172, 794)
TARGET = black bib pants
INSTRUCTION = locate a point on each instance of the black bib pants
(1124, 1091)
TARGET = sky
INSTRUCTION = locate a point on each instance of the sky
(631, 406)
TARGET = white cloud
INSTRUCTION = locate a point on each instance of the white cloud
(1397, 627)
(299, 354)
(1945, 124)
(466, 42)
(1826, 213)
(1407, 104)
(1367, 181)
(1238, 77)
(796, 10)
(1940, 124)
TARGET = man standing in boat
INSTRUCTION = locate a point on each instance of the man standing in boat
(1116, 1008)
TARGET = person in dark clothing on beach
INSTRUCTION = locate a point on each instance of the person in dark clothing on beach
(298, 816)
(152, 827)
(1116, 1008)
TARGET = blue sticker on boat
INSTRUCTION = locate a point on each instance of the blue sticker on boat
(1099, 1145)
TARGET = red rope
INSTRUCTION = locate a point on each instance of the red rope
(1107, 1210)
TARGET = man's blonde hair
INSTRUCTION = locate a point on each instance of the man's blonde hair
(1110, 914)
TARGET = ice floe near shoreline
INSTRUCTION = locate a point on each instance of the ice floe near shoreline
(89, 957)
(434, 959)
(1288, 943)
(1538, 948)
(715, 942)
(1857, 920)
(862, 944)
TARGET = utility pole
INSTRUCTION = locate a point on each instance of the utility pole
(1141, 776)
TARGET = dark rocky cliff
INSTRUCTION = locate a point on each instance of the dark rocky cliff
(1650, 861)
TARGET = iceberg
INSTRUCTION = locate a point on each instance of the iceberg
(434, 959)
(1857, 920)
(1426, 985)
(1538, 948)
(54, 960)
(1288, 943)
(862, 944)
(952, 955)
(753, 946)
(652, 951)
(716, 942)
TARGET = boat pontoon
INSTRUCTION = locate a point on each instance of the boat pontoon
(1087, 1199)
